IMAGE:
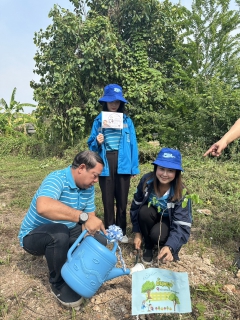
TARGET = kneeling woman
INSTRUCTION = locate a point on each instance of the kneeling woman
(157, 214)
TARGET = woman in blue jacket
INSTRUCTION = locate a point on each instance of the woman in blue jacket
(157, 214)
(119, 151)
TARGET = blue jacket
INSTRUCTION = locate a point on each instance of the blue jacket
(128, 149)
(180, 218)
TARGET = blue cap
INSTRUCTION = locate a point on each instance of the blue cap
(169, 158)
(112, 92)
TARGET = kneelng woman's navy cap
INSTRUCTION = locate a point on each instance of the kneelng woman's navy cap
(169, 158)
(112, 92)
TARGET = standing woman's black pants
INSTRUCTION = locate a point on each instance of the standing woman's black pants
(115, 187)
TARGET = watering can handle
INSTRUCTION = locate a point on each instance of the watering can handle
(79, 239)
(75, 244)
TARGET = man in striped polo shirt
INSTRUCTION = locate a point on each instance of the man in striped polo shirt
(62, 207)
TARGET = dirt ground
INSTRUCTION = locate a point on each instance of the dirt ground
(25, 291)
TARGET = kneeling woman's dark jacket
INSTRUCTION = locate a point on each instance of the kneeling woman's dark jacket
(180, 218)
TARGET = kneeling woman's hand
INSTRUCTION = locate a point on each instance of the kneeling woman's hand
(137, 240)
(165, 254)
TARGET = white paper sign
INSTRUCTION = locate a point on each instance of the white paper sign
(112, 120)
(160, 291)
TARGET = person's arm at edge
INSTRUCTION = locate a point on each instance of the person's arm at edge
(217, 148)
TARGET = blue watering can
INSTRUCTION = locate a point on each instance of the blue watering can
(89, 264)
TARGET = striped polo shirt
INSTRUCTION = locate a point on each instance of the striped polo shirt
(58, 185)
(112, 138)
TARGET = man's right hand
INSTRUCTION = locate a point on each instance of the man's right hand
(93, 224)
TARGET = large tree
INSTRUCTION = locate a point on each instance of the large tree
(179, 69)
(127, 42)
(216, 65)
(204, 99)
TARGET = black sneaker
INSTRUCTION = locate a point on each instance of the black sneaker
(66, 295)
(147, 256)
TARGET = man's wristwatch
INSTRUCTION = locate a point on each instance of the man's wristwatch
(83, 217)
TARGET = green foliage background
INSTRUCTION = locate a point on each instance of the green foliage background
(179, 68)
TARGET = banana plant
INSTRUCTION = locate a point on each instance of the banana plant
(12, 109)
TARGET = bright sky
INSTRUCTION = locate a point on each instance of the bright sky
(19, 19)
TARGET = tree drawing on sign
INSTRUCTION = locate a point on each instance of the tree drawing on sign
(174, 298)
(147, 287)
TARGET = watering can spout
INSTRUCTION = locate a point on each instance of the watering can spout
(117, 272)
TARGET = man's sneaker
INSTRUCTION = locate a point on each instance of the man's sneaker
(66, 295)
(147, 256)
(124, 239)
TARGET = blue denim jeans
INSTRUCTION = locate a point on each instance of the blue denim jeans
(52, 240)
